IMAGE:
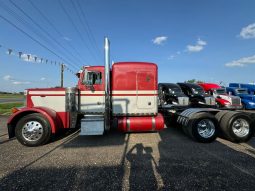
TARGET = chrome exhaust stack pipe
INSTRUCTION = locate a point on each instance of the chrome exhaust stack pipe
(107, 84)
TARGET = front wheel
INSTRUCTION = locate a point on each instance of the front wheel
(33, 130)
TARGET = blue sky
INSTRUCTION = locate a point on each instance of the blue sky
(207, 40)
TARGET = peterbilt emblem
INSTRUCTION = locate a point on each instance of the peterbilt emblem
(148, 78)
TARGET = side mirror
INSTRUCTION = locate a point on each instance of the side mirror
(78, 75)
(218, 97)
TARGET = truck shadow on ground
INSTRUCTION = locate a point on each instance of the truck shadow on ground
(182, 164)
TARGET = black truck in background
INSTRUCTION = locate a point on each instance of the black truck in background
(171, 94)
(197, 95)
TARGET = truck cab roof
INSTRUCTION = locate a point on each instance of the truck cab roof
(237, 90)
(191, 86)
(209, 86)
(172, 89)
(169, 85)
(250, 87)
(191, 89)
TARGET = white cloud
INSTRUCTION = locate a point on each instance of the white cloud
(248, 31)
(171, 57)
(201, 42)
(242, 62)
(194, 48)
(20, 83)
(199, 46)
(66, 38)
(14, 81)
(43, 78)
(7, 78)
(159, 40)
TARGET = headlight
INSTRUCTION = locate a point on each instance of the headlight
(251, 103)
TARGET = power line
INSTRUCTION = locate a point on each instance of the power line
(76, 29)
(48, 34)
(32, 38)
(25, 23)
(83, 20)
(53, 27)
(87, 24)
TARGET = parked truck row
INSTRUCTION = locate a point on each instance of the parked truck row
(125, 96)
(234, 97)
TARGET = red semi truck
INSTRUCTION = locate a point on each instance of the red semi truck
(222, 98)
(126, 93)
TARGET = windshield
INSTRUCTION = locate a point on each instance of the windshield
(198, 90)
(221, 91)
(175, 91)
(242, 91)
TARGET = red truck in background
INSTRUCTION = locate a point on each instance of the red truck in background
(222, 98)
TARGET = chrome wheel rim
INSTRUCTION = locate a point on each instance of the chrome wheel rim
(206, 128)
(32, 131)
(241, 127)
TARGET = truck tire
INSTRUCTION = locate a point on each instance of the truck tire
(237, 127)
(33, 130)
(220, 114)
(203, 127)
(185, 130)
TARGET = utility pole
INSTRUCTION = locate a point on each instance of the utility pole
(62, 75)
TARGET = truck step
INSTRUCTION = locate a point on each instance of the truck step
(92, 125)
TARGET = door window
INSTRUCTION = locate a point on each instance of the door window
(92, 78)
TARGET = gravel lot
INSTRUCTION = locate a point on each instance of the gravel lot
(146, 161)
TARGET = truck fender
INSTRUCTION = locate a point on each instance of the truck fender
(49, 114)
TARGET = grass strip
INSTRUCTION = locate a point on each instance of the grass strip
(11, 96)
(5, 108)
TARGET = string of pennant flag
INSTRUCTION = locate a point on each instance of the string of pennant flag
(34, 58)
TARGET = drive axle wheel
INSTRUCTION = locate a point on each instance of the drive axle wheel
(203, 127)
(33, 130)
(237, 127)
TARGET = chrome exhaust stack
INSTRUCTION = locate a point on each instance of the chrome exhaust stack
(71, 105)
(107, 84)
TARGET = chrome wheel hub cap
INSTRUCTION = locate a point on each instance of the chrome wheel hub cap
(32, 131)
(206, 128)
(241, 127)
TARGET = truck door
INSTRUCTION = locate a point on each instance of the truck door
(92, 92)
(145, 90)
